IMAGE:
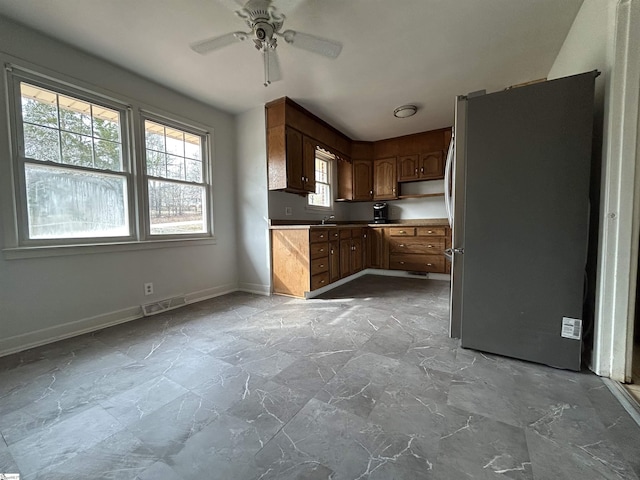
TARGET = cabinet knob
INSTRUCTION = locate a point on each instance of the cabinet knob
(430, 231)
(401, 263)
(322, 249)
(322, 235)
(370, 192)
(429, 246)
(303, 178)
(429, 264)
(401, 245)
(422, 170)
(332, 251)
(321, 281)
(402, 231)
(416, 170)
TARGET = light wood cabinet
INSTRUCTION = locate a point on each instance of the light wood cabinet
(417, 249)
(300, 260)
(408, 168)
(307, 259)
(385, 184)
(431, 166)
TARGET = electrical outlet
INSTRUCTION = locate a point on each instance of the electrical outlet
(148, 288)
(288, 211)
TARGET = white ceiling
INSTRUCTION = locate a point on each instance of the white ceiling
(395, 52)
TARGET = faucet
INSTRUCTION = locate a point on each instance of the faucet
(328, 217)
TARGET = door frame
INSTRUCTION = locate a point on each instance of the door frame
(620, 202)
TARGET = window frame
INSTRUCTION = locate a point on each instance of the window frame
(15, 77)
(14, 212)
(330, 159)
(207, 177)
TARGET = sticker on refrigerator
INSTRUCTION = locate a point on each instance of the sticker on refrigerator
(571, 328)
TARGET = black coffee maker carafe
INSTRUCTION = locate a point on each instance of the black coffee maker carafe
(380, 213)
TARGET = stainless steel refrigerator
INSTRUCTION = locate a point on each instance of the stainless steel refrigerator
(519, 200)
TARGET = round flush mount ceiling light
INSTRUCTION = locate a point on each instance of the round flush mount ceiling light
(405, 111)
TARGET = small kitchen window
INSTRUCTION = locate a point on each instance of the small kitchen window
(322, 198)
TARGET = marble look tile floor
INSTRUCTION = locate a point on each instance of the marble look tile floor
(362, 383)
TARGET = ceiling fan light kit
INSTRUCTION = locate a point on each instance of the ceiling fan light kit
(405, 111)
(265, 23)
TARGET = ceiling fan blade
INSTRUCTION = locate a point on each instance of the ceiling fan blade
(211, 44)
(272, 71)
(311, 43)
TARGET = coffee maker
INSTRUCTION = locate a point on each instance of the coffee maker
(380, 213)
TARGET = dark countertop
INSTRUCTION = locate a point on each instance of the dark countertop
(419, 222)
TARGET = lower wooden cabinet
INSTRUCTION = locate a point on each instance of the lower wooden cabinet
(307, 259)
(300, 260)
(418, 249)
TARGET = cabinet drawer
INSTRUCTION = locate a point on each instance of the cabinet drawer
(402, 231)
(431, 231)
(433, 245)
(318, 235)
(317, 250)
(416, 263)
(319, 280)
(319, 265)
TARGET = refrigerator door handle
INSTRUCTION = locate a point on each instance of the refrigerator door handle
(447, 181)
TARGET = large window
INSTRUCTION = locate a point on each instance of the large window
(322, 197)
(175, 179)
(77, 180)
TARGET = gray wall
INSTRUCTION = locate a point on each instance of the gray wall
(589, 46)
(251, 193)
(45, 298)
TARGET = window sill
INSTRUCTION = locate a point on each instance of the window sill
(64, 250)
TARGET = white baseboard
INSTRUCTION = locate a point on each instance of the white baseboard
(25, 341)
(256, 288)
(377, 271)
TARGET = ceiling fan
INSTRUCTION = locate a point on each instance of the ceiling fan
(265, 24)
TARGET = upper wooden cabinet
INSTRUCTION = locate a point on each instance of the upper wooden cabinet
(408, 168)
(385, 183)
(291, 160)
(355, 178)
(362, 180)
(431, 166)
(366, 170)
(421, 156)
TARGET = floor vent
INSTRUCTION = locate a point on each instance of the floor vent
(163, 305)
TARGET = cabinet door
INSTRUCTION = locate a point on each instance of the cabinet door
(375, 247)
(431, 166)
(334, 261)
(356, 254)
(366, 249)
(345, 257)
(345, 180)
(385, 184)
(295, 174)
(309, 164)
(408, 168)
(362, 180)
